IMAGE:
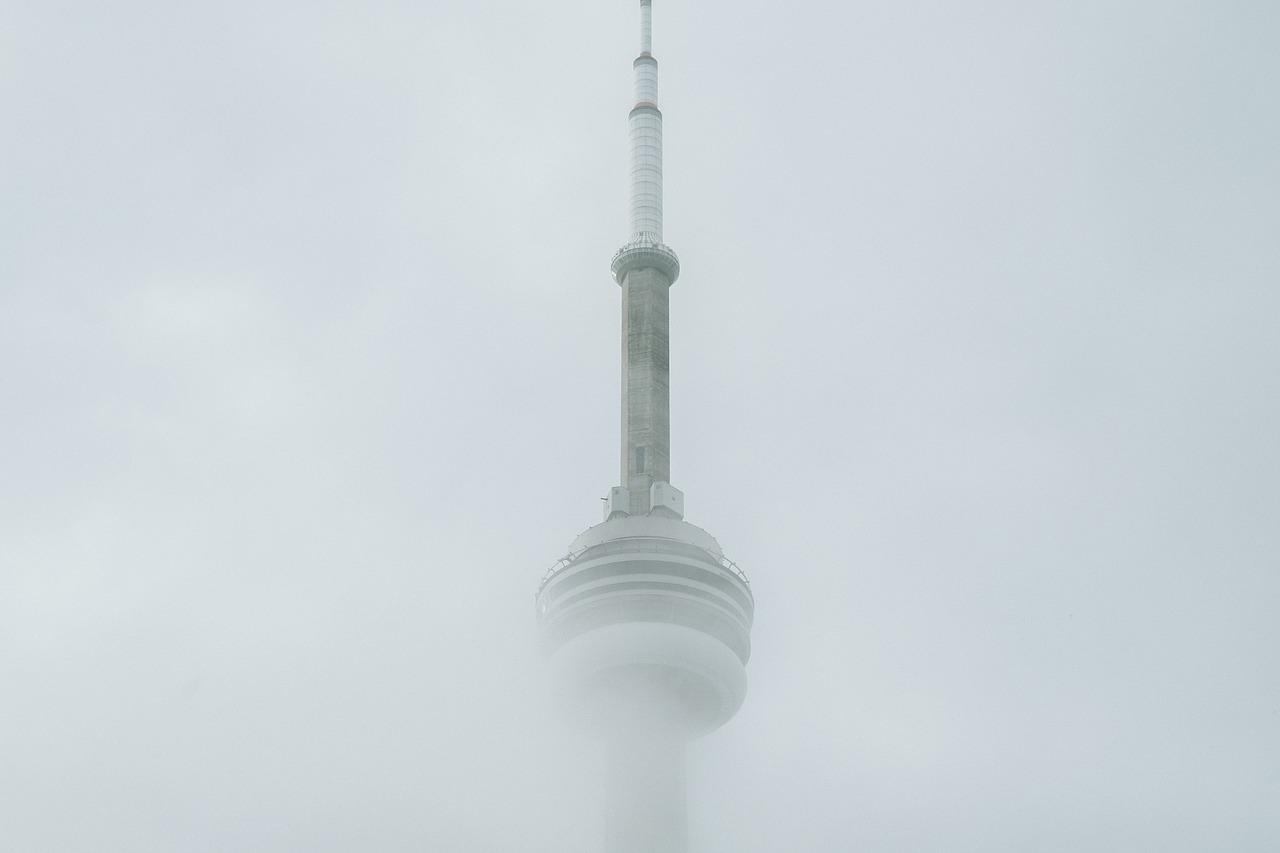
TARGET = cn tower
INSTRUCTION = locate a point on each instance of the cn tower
(645, 624)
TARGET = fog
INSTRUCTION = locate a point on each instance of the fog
(309, 370)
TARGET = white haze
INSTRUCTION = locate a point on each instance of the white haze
(308, 369)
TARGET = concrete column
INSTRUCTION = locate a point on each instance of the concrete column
(645, 799)
(646, 384)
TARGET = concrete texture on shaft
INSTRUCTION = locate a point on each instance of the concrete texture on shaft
(646, 384)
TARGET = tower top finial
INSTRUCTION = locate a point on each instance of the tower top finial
(645, 247)
(646, 27)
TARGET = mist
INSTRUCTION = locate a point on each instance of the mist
(309, 371)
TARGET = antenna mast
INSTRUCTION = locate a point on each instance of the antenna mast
(645, 268)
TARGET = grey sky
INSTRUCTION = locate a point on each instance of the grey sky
(308, 369)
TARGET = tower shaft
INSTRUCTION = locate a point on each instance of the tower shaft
(645, 790)
(646, 385)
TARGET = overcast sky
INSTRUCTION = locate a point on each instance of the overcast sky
(309, 369)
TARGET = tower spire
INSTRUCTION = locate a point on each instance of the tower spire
(646, 139)
(645, 268)
(646, 26)
(645, 246)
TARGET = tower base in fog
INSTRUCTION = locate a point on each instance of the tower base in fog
(645, 805)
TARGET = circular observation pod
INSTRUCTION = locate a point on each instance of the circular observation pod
(646, 625)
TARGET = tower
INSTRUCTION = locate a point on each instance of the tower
(645, 624)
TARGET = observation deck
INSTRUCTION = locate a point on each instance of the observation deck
(646, 623)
